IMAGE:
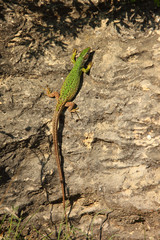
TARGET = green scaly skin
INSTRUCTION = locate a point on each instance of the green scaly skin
(67, 92)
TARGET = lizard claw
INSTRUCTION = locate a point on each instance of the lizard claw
(75, 110)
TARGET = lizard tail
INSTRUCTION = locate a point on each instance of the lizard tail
(56, 149)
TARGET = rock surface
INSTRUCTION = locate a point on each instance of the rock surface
(111, 155)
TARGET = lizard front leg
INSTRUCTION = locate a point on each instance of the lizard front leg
(73, 60)
(85, 70)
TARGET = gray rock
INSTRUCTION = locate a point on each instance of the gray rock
(111, 154)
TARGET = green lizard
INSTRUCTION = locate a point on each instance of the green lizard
(67, 92)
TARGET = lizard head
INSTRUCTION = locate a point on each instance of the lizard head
(85, 53)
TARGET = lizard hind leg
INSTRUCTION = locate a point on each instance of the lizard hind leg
(52, 94)
(71, 108)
